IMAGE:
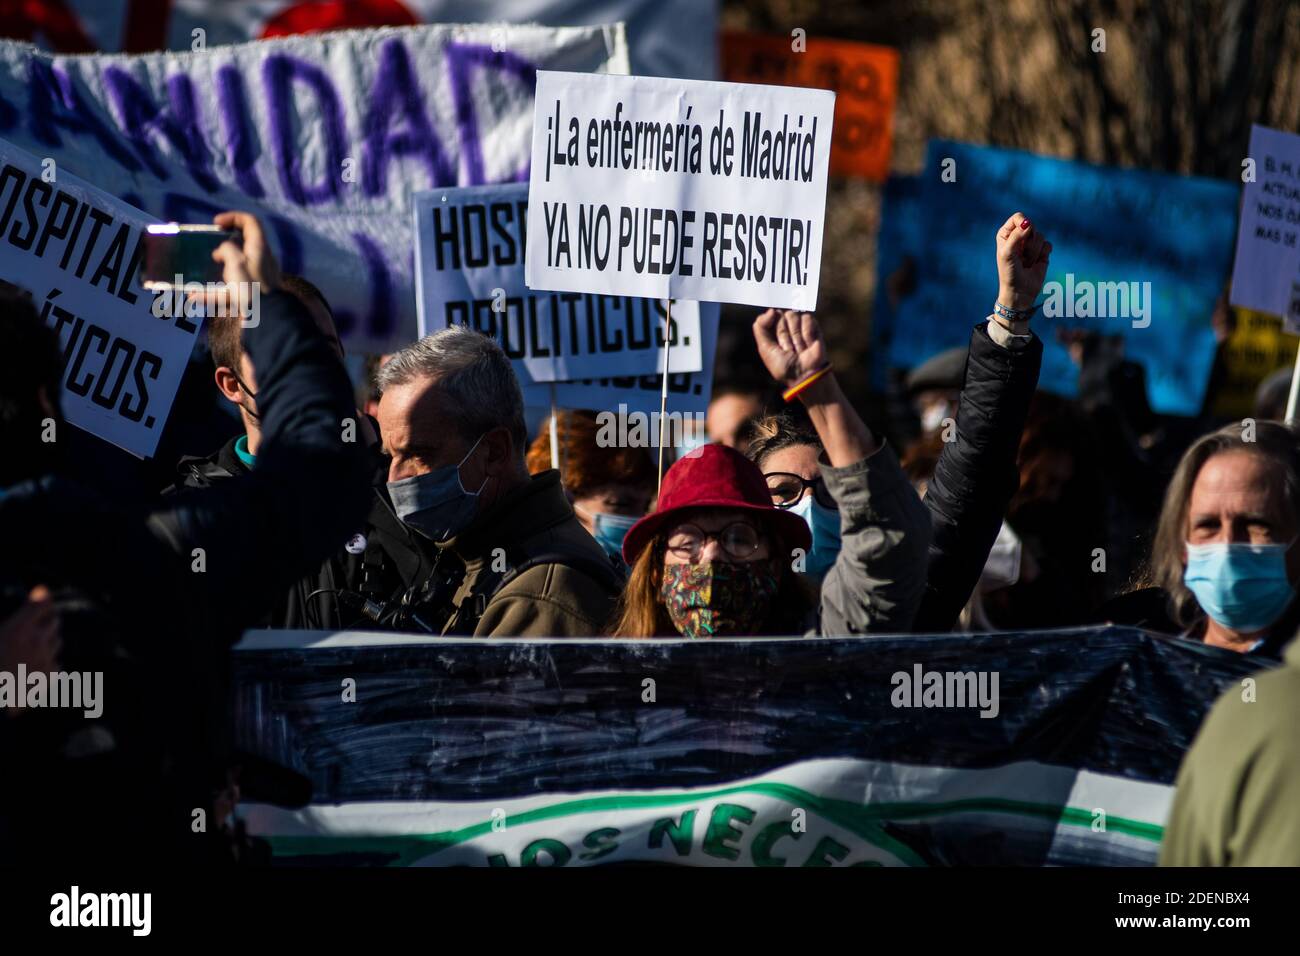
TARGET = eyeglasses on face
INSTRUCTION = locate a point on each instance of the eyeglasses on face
(739, 540)
(787, 488)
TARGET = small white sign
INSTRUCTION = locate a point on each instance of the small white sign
(469, 270)
(78, 251)
(1266, 275)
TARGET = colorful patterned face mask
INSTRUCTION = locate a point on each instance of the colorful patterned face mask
(718, 599)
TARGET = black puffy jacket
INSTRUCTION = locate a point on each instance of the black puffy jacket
(372, 559)
(977, 473)
(173, 583)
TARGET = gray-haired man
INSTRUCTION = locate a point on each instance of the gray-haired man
(508, 557)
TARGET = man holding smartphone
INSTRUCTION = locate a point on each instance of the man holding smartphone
(173, 584)
(309, 602)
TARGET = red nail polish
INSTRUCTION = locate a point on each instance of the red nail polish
(1024, 224)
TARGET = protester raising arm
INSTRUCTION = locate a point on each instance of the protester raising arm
(717, 558)
(226, 553)
(976, 475)
(310, 487)
(877, 579)
(173, 585)
(222, 555)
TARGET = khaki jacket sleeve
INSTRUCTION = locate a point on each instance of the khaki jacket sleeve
(1196, 833)
(876, 583)
(1239, 785)
(548, 601)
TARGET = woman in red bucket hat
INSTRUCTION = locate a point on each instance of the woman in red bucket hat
(717, 559)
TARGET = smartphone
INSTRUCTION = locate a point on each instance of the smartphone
(174, 249)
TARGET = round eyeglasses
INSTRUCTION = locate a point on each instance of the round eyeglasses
(739, 540)
(787, 488)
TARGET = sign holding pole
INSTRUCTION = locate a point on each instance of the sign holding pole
(1294, 396)
(663, 403)
(554, 432)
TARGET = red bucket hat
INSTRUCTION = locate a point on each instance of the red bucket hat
(714, 476)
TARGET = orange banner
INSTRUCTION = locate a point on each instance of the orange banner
(863, 76)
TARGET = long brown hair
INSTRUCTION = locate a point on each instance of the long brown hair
(1272, 441)
(640, 612)
(585, 467)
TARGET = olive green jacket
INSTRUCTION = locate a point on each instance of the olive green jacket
(549, 600)
(1238, 792)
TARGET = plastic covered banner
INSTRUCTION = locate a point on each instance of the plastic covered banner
(1050, 748)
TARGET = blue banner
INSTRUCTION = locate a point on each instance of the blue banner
(898, 243)
(1139, 254)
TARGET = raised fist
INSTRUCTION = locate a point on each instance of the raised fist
(1023, 254)
(790, 344)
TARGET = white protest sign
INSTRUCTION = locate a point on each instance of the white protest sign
(1266, 274)
(469, 270)
(688, 392)
(78, 251)
(678, 189)
(324, 137)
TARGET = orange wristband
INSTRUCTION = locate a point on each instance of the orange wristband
(790, 393)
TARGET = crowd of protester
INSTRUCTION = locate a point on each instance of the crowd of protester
(424, 505)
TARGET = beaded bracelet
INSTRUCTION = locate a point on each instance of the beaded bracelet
(790, 393)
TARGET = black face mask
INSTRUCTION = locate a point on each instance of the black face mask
(36, 458)
(27, 455)
(250, 393)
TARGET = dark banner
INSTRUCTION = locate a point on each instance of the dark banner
(1039, 748)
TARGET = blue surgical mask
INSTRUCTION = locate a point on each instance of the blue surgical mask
(1242, 587)
(1002, 567)
(436, 504)
(825, 525)
(690, 444)
(609, 530)
(932, 418)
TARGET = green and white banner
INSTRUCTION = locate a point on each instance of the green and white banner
(726, 753)
(818, 813)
